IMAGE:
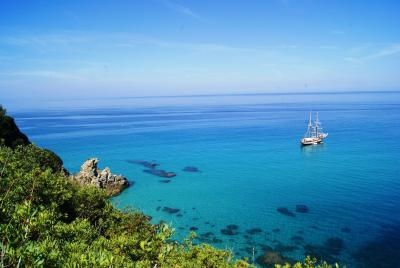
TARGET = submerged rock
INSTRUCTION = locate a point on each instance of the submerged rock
(254, 231)
(104, 179)
(231, 229)
(346, 230)
(382, 251)
(276, 230)
(208, 237)
(285, 248)
(302, 209)
(297, 239)
(170, 210)
(285, 211)
(160, 173)
(165, 181)
(143, 163)
(193, 228)
(334, 245)
(191, 169)
(320, 252)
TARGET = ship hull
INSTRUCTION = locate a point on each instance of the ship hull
(310, 141)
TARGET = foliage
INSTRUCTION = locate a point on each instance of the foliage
(308, 263)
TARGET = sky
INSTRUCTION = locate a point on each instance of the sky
(60, 49)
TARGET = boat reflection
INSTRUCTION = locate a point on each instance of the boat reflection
(312, 149)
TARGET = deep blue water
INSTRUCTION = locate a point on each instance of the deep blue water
(247, 148)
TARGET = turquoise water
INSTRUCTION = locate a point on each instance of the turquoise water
(247, 150)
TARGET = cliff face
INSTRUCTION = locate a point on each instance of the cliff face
(104, 179)
(10, 135)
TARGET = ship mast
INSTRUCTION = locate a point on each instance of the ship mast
(309, 130)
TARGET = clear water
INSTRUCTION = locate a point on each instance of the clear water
(247, 148)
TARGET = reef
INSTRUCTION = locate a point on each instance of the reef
(160, 173)
(254, 231)
(231, 229)
(285, 211)
(302, 209)
(284, 248)
(170, 210)
(382, 251)
(191, 169)
(297, 239)
(345, 230)
(143, 163)
(208, 237)
(334, 245)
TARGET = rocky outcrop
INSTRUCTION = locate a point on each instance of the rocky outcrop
(104, 179)
(10, 135)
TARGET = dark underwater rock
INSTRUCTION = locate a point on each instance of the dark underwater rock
(193, 228)
(285, 211)
(284, 248)
(276, 230)
(191, 169)
(254, 231)
(381, 252)
(160, 173)
(165, 181)
(179, 215)
(208, 237)
(170, 210)
(143, 163)
(228, 232)
(231, 229)
(265, 247)
(334, 245)
(346, 230)
(302, 209)
(297, 239)
(320, 252)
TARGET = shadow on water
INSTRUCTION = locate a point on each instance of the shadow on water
(309, 150)
(382, 252)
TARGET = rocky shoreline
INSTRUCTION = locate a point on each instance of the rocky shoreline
(89, 174)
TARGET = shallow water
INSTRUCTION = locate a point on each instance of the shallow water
(247, 150)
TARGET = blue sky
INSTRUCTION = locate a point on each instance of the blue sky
(170, 47)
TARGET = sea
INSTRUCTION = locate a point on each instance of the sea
(249, 186)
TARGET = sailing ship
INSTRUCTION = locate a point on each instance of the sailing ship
(314, 134)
